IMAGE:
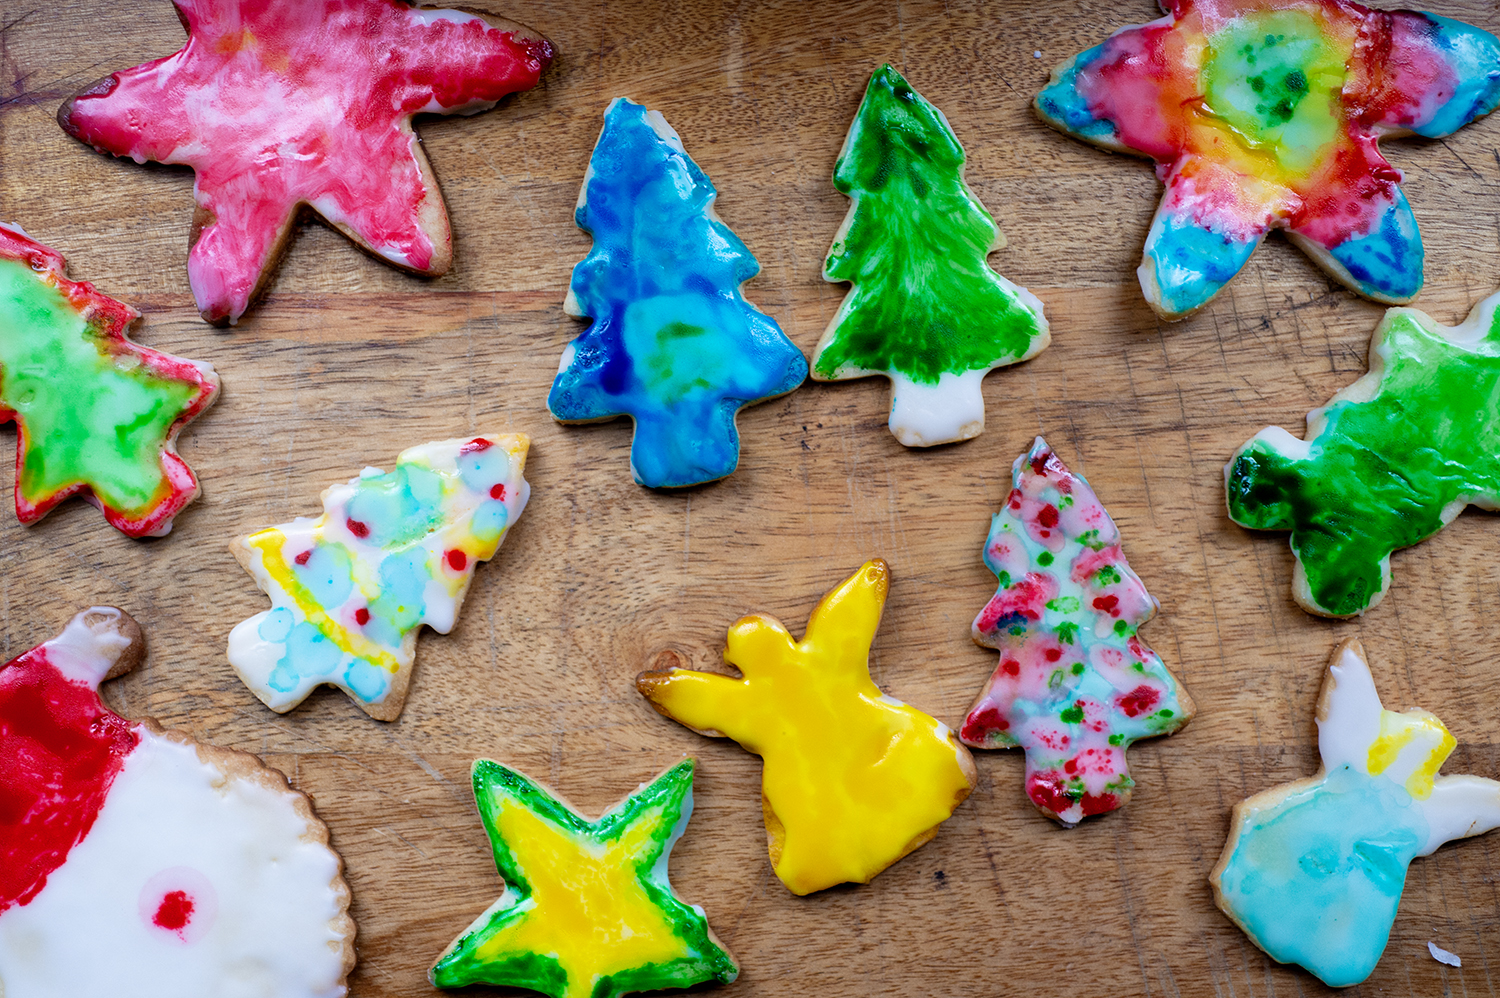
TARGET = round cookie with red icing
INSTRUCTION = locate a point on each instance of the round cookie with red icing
(135, 861)
(283, 104)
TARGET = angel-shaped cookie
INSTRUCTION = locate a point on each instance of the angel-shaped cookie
(1314, 869)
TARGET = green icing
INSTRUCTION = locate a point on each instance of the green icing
(924, 300)
(1389, 461)
(1276, 81)
(93, 414)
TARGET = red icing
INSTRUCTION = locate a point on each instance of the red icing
(362, 616)
(1106, 604)
(1026, 600)
(457, 560)
(1138, 701)
(175, 911)
(276, 104)
(60, 750)
(979, 725)
(357, 528)
(301, 559)
(497, 492)
(476, 445)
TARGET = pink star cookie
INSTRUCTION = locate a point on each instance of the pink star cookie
(277, 104)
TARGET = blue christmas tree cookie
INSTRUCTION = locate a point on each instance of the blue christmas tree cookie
(673, 344)
(1313, 870)
(391, 552)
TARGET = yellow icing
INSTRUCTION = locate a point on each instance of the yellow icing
(1397, 731)
(587, 908)
(853, 780)
(269, 543)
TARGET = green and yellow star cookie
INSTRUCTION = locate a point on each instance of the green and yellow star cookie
(587, 910)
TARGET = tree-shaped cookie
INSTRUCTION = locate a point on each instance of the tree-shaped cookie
(391, 552)
(1388, 462)
(587, 910)
(925, 309)
(1075, 686)
(854, 779)
(1267, 114)
(1313, 870)
(672, 342)
(285, 104)
(96, 415)
(137, 861)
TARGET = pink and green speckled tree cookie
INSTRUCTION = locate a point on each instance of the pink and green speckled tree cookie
(1075, 686)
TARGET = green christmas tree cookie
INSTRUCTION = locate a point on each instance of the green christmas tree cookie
(925, 309)
(1388, 462)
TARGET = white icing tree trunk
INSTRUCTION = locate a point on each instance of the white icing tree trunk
(944, 413)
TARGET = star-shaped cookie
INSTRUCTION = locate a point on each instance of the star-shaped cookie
(289, 103)
(587, 910)
(1265, 114)
(96, 415)
(853, 779)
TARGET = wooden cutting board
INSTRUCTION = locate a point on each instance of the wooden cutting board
(349, 361)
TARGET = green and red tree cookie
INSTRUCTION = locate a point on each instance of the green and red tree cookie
(96, 415)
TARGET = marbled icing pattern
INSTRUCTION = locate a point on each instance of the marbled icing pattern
(1313, 870)
(96, 415)
(853, 779)
(1265, 114)
(587, 911)
(1075, 686)
(673, 344)
(277, 104)
(391, 552)
(1388, 462)
(925, 309)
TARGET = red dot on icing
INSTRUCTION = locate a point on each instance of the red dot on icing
(1106, 603)
(358, 529)
(497, 491)
(301, 559)
(457, 560)
(1048, 516)
(362, 616)
(1138, 701)
(1053, 654)
(476, 445)
(174, 912)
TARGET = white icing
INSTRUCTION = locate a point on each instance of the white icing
(949, 411)
(84, 653)
(171, 821)
(1352, 721)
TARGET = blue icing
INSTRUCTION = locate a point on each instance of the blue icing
(276, 625)
(481, 469)
(1062, 106)
(403, 584)
(673, 343)
(309, 655)
(1387, 263)
(366, 681)
(1317, 879)
(1192, 263)
(399, 506)
(489, 521)
(1474, 56)
(327, 574)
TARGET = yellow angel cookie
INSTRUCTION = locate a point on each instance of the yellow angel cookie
(854, 779)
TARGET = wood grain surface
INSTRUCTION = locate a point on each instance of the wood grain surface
(348, 361)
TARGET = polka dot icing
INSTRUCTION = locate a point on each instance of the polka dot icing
(392, 551)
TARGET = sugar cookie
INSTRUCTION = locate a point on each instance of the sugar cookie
(854, 780)
(1075, 686)
(391, 552)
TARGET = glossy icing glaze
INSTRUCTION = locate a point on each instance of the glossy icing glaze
(391, 552)
(181, 870)
(925, 309)
(1388, 462)
(1075, 686)
(853, 779)
(96, 415)
(285, 103)
(673, 344)
(1265, 114)
(587, 910)
(1313, 870)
